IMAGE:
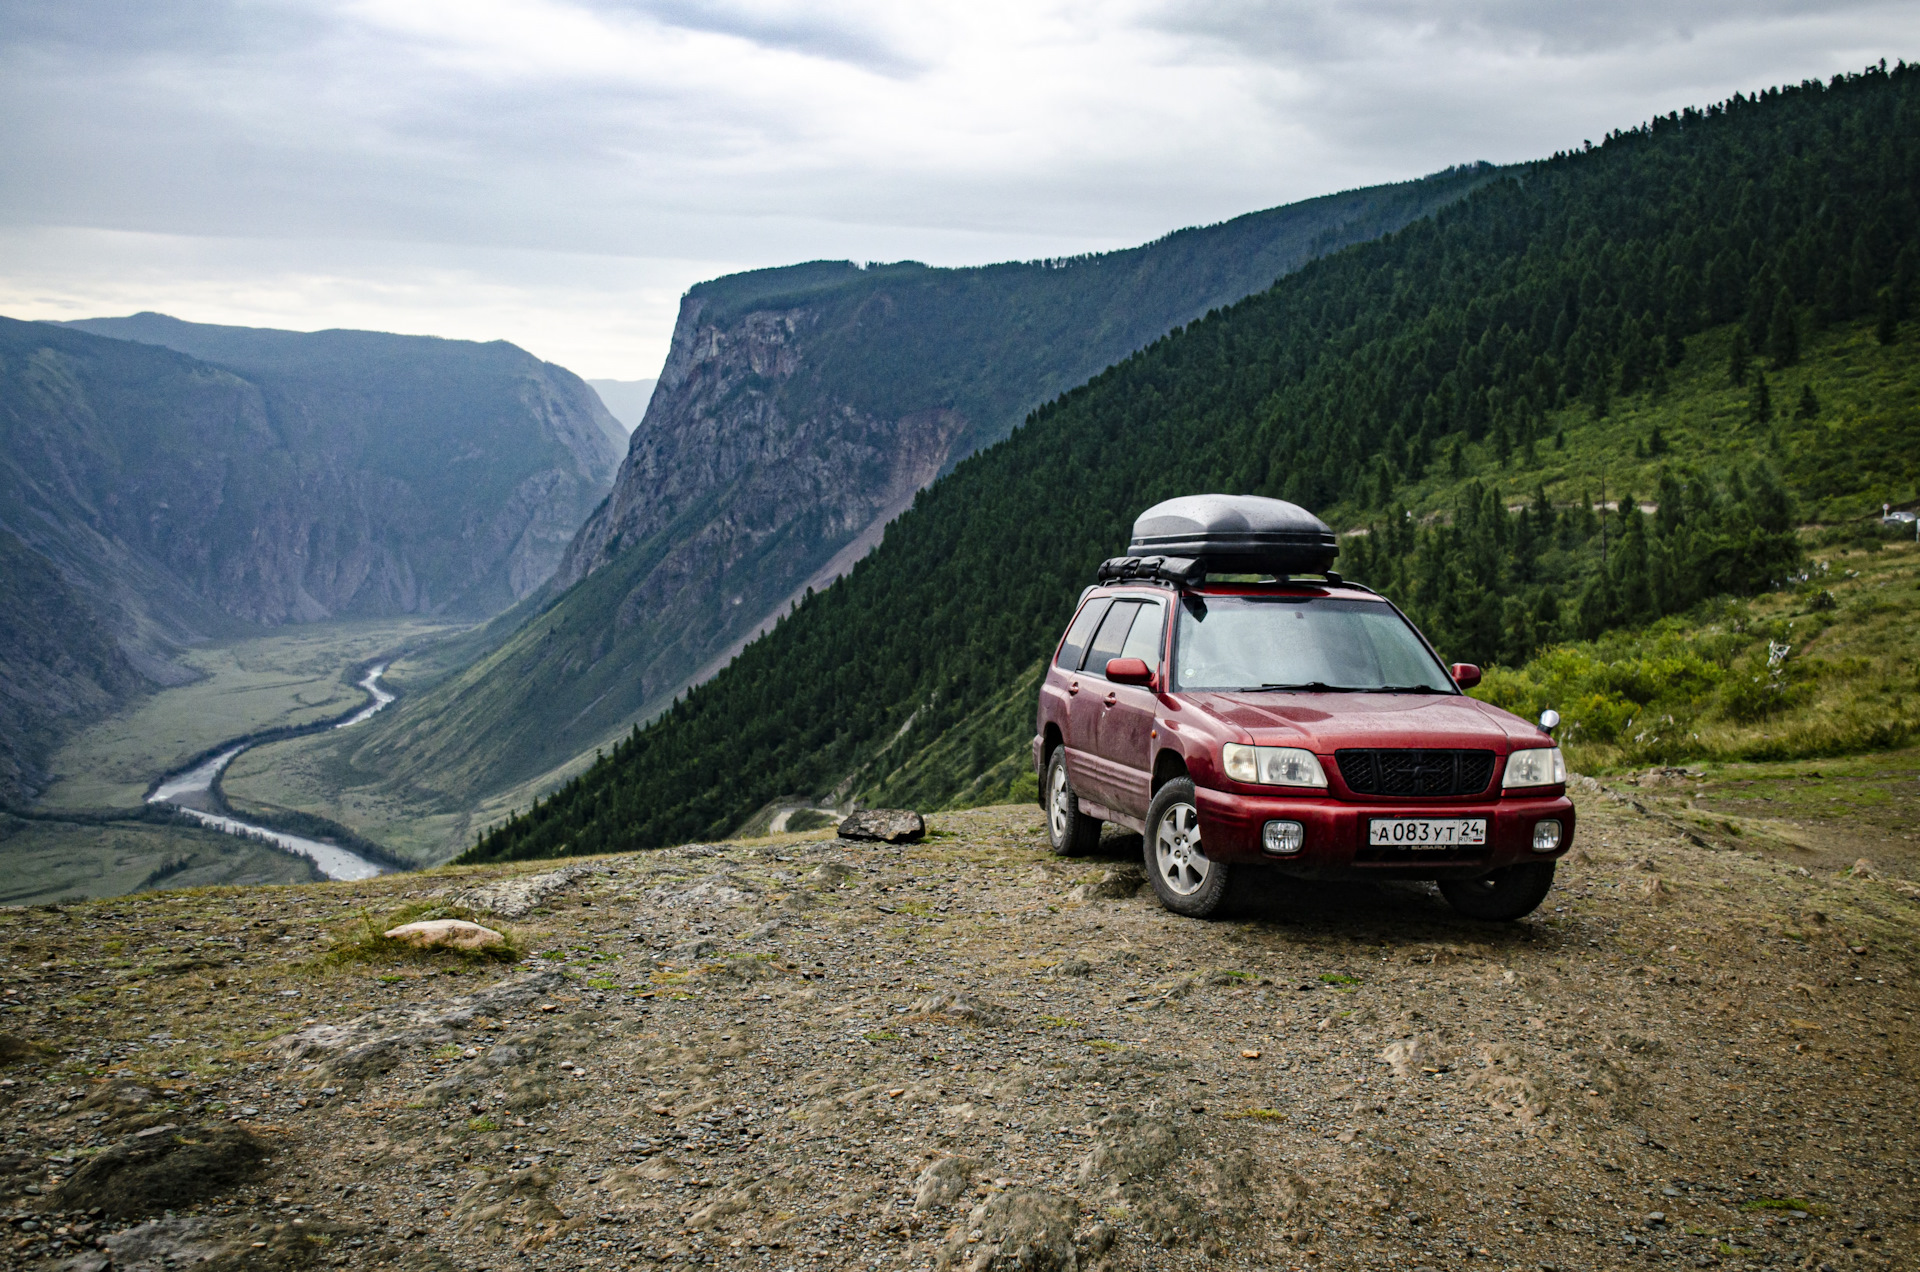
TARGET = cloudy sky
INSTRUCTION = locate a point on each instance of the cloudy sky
(557, 172)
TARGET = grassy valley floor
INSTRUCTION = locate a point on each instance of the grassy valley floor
(293, 676)
(88, 836)
(800, 1052)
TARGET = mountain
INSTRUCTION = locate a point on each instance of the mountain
(799, 411)
(485, 458)
(626, 400)
(1425, 385)
(193, 481)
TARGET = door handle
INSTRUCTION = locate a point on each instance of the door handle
(1112, 698)
(1073, 687)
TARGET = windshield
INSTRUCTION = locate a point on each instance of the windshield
(1298, 642)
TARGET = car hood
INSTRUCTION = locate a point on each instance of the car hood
(1326, 722)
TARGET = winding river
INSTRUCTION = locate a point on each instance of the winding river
(189, 790)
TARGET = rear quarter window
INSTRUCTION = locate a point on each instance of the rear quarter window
(1080, 631)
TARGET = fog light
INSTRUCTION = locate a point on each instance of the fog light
(1283, 839)
(1546, 836)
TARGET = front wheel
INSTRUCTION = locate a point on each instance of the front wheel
(1186, 880)
(1509, 893)
(1070, 831)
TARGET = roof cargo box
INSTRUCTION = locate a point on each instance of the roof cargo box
(1236, 534)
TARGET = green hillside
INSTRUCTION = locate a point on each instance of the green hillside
(1533, 335)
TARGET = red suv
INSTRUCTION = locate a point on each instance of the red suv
(1236, 714)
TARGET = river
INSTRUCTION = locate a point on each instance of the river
(190, 788)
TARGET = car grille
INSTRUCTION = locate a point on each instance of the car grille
(1415, 773)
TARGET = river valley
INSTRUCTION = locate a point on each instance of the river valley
(192, 791)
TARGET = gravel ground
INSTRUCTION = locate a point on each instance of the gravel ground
(964, 1053)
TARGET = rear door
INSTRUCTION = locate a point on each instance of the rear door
(1097, 778)
(1125, 738)
(1064, 678)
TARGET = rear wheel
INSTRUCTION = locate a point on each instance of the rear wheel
(1501, 894)
(1185, 879)
(1070, 831)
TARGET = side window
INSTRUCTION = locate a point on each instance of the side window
(1143, 642)
(1079, 633)
(1113, 635)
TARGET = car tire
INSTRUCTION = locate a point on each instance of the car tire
(1185, 879)
(1499, 895)
(1070, 831)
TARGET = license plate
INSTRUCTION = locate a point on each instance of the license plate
(1424, 832)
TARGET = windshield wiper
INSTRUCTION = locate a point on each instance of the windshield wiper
(1317, 686)
(1405, 689)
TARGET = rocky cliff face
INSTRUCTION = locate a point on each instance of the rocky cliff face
(352, 473)
(724, 424)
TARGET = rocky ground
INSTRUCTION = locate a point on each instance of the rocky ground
(809, 1053)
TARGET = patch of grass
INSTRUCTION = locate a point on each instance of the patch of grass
(1058, 1022)
(1260, 1115)
(1103, 1044)
(1778, 678)
(364, 940)
(1338, 979)
(1783, 1204)
(449, 1052)
(881, 1035)
(482, 1123)
(603, 982)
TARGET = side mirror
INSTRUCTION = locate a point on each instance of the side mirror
(1129, 671)
(1466, 675)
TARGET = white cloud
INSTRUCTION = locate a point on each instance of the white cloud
(555, 171)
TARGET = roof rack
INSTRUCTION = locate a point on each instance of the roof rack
(1193, 572)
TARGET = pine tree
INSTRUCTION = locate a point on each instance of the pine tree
(1783, 332)
(1760, 401)
(1809, 406)
(1739, 357)
(1889, 325)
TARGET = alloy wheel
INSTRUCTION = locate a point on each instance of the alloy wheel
(1183, 865)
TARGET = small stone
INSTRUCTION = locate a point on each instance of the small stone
(1864, 869)
(885, 825)
(455, 934)
(1249, 1055)
(1657, 1217)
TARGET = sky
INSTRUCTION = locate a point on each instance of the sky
(558, 172)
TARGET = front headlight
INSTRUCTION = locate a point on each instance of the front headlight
(1272, 765)
(1540, 766)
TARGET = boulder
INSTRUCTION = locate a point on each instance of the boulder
(942, 1183)
(453, 934)
(1022, 1230)
(885, 825)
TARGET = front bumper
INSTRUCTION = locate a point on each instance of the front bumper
(1336, 834)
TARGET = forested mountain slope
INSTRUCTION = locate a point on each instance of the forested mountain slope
(152, 498)
(798, 412)
(1541, 306)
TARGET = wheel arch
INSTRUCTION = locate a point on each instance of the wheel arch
(1167, 766)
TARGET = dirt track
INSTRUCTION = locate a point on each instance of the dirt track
(802, 1053)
